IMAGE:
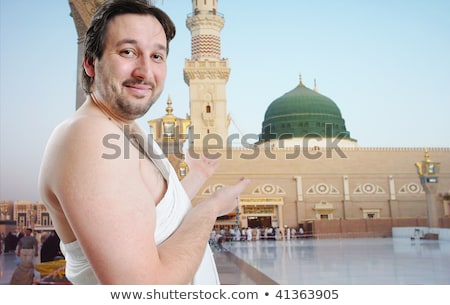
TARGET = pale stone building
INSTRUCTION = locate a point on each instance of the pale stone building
(15, 216)
(305, 168)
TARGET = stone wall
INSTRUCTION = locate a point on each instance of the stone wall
(358, 228)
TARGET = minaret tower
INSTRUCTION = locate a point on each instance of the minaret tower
(206, 74)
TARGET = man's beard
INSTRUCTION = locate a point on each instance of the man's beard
(133, 110)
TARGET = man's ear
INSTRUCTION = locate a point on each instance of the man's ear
(88, 65)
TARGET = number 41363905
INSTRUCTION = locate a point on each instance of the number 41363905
(307, 294)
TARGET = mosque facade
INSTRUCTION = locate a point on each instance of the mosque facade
(305, 168)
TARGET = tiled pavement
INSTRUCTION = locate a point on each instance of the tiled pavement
(368, 261)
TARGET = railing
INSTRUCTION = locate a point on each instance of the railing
(204, 12)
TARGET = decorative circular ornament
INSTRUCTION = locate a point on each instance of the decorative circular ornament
(413, 188)
(369, 188)
(322, 188)
(217, 187)
(268, 188)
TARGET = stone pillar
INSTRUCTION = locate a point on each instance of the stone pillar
(346, 203)
(393, 203)
(432, 207)
(301, 213)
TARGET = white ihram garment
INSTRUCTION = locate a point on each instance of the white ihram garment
(169, 214)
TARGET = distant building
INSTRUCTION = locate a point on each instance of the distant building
(20, 214)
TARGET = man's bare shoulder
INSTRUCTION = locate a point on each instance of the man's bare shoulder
(82, 170)
(82, 143)
(84, 126)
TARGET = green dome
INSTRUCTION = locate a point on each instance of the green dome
(303, 112)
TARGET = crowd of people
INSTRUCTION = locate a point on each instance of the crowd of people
(29, 248)
(226, 233)
(47, 243)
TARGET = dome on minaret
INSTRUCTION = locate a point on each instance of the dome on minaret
(303, 113)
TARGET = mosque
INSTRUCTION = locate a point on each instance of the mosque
(306, 169)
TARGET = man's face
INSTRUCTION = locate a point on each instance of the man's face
(130, 75)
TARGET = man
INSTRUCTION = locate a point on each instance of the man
(127, 219)
(27, 247)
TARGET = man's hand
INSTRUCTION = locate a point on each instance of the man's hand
(200, 164)
(227, 198)
(201, 169)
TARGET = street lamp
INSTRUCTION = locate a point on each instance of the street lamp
(429, 178)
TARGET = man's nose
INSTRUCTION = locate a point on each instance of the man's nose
(143, 69)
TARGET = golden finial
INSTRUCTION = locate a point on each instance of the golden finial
(300, 80)
(169, 108)
(427, 156)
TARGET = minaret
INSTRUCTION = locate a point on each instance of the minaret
(206, 74)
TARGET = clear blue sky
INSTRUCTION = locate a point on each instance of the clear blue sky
(385, 63)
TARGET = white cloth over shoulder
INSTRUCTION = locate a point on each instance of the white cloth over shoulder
(169, 214)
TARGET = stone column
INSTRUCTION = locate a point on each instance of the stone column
(300, 206)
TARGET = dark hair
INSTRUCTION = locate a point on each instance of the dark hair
(94, 41)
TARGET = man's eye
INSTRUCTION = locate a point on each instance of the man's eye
(158, 57)
(127, 53)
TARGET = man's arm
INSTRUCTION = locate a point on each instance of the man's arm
(108, 203)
